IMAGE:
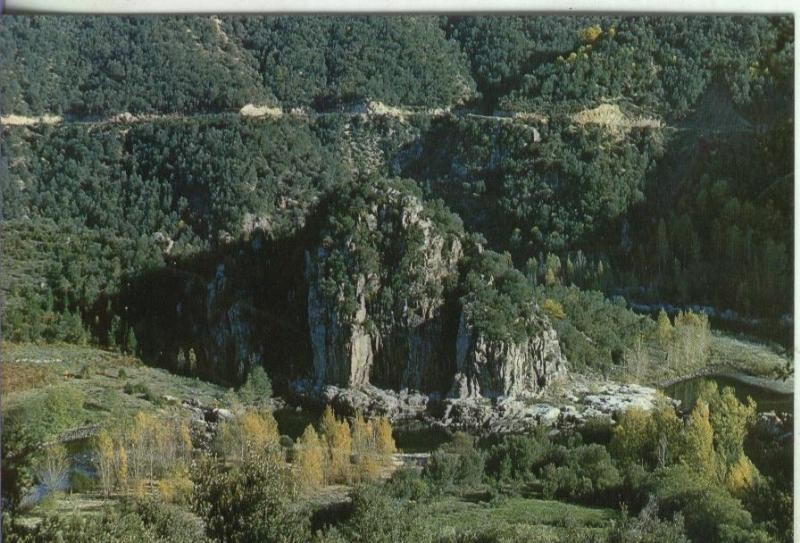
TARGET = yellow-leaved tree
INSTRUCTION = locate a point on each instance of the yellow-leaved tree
(254, 429)
(690, 346)
(142, 452)
(327, 423)
(105, 461)
(631, 435)
(176, 487)
(362, 436)
(647, 436)
(741, 476)
(367, 465)
(554, 309)
(384, 441)
(309, 460)
(147, 440)
(591, 33)
(340, 446)
(663, 329)
(121, 467)
(697, 452)
(731, 421)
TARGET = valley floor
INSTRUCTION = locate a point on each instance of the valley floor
(112, 386)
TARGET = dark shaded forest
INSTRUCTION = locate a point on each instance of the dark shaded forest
(648, 156)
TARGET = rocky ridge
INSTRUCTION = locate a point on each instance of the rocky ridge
(383, 307)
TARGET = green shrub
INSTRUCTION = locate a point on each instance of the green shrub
(636, 485)
(376, 518)
(499, 300)
(596, 331)
(593, 463)
(518, 458)
(144, 390)
(709, 511)
(771, 506)
(137, 388)
(596, 430)
(110, 525)
(165, 521)
(56, 409)
(441, 471)
(647, 527)
(251, 501)
(408, 484)
(81, 482)
(471, 465)
(18, 454)
(147, 520)
(257, 388)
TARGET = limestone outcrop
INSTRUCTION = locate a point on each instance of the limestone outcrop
(382, 320)
(383, 289)
(493, 368)
(395, 301)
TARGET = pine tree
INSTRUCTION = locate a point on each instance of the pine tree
(130, 341)
(257, 388)
(114, 332)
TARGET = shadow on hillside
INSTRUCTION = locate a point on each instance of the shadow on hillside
(216, 314)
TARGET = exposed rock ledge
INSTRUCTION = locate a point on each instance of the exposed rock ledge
(503, 415)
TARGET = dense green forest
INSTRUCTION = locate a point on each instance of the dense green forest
(657, 147)
(420, 184)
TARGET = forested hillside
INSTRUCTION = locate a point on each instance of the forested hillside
(235, 251)
(652, 154)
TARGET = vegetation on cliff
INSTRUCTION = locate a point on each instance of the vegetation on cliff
(239, 198)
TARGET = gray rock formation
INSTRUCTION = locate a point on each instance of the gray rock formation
(378, 308)
(341, 345)
(373, 401)
(513, 415)
(360, 340)
(582, 402)
(493, 368)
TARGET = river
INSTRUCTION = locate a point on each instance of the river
(779, 399)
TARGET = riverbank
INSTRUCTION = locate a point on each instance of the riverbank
(772, 385)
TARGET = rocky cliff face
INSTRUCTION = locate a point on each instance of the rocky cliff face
(383, 308)
(382, 321)
(493, 368)
(387, 291)
(341, 346)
